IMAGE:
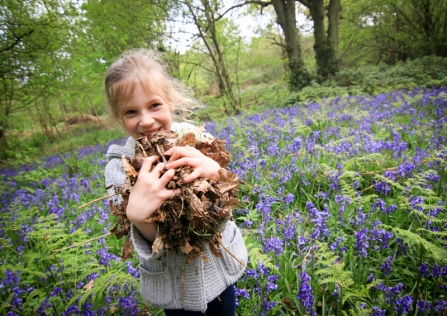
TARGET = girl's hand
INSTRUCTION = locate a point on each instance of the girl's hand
(148, 193)
(202, 165)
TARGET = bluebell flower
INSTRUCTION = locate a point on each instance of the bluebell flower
(425, 271)
(405, 169)
(402, 305)
(362, 244)
(266, 306)
(270, 286)
(262, 269)
(305, 293)
(382, 187)
(336, 243)
(386, 266)
(131, 270)
(241, 292)
(436, 270)
(251, 273)
(440, 306)
(289, 198)
(377, 312)
(423, 306)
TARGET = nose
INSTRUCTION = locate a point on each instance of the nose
(146, 119)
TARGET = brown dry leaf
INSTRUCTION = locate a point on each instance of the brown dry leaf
(201, 186)
(227, 181)
(229, 206)
(113, 309)
(127, 250)
(128, 168)
(158, 244)
(215, 149)
(89, 285)
(187, 140)
(137, 161)
(188, 221)
(186, 248)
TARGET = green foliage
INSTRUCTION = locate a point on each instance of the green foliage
(429, 71)
(392, 30)
(49, 264)
(432, 250)
(333, 271)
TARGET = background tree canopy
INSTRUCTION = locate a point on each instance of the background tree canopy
(54, 53)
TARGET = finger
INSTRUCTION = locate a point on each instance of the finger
(175, 154)
(147, 163)
(191, 177)
(170, 151)
(180, 163)
(164, 180)
(183, 151)
(158, 169)
(167, 194)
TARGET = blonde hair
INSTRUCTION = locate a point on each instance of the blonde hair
(147, 68)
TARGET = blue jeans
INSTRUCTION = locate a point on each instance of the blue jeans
(223, 305)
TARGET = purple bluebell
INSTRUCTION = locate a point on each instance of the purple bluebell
(362, 243)
(377, 312)
(386, 266)
(423, 306)
(305, 293)
(402, 305)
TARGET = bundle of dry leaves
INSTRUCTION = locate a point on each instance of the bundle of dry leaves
(188, 221)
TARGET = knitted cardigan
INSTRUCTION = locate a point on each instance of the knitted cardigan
(166, 280)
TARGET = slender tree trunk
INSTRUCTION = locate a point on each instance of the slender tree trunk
(208, 34)
(222, 65)
(286, 18)
(95, 111)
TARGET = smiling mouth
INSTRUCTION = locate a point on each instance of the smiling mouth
(154, 130)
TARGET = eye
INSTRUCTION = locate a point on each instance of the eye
(130, 112)
(155, 105)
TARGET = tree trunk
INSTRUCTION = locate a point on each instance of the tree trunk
(326, 45)
(224, 73)
(333, 15)
(285, 12)
(213, 46)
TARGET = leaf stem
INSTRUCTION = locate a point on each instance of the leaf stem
(231, 254)
(96, 200)
(82, 243)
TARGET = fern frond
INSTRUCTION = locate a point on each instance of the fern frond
(381, 178)
(349, 191)
(255, 254)
(102, 285)
(437, 253)
(301, 129)
(360, 294)
(334, 272)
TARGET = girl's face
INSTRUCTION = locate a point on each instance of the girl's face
(146, 112)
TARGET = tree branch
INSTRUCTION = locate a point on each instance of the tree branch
(17, 41)
(260, 3)
(304, 2)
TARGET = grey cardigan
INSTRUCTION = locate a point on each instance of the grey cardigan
(166, 280)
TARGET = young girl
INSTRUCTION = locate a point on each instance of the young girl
(143, 97)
